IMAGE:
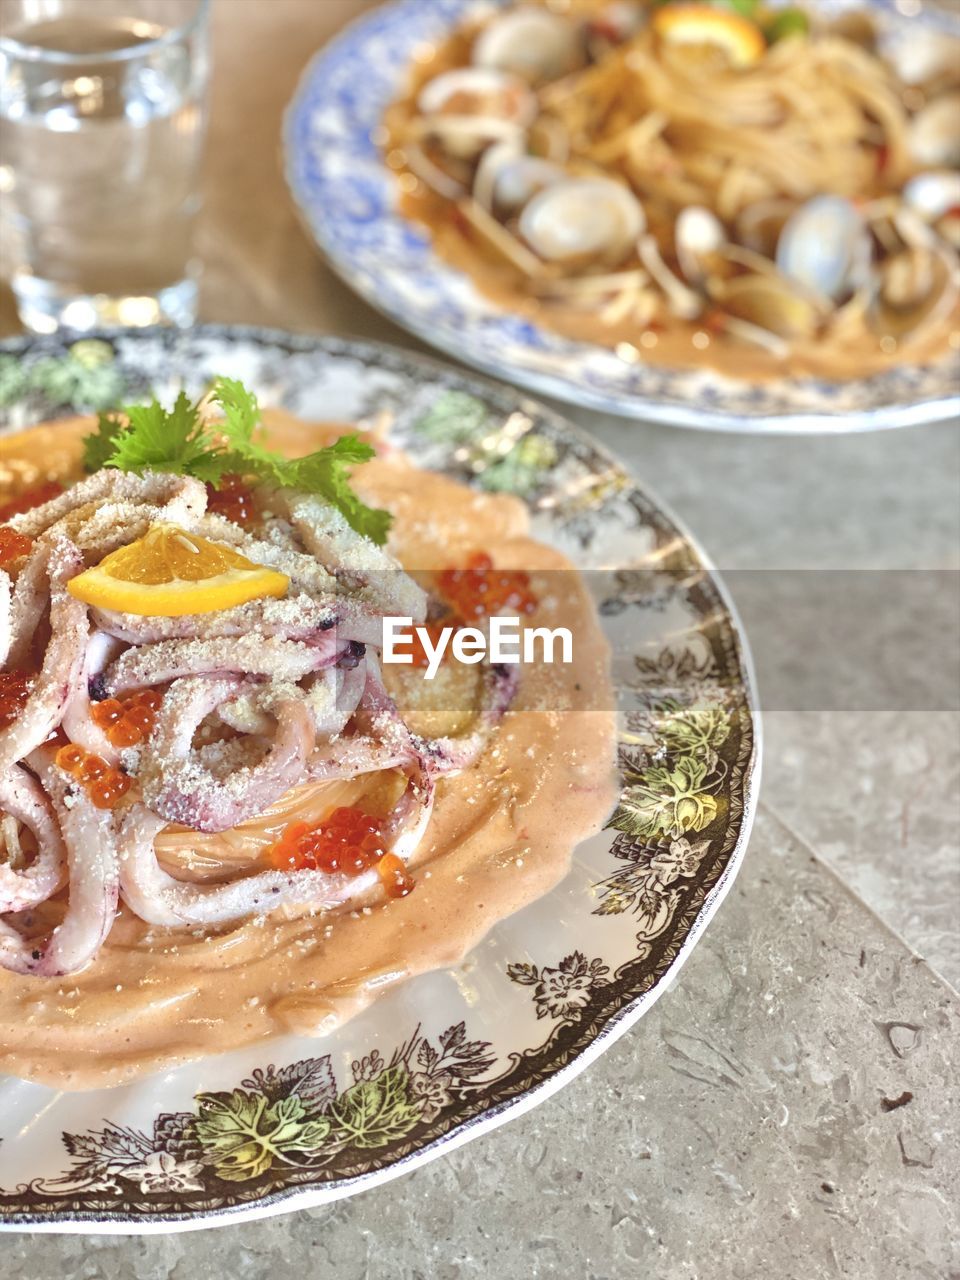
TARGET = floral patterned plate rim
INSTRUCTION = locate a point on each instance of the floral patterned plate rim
(447, 1056)
(347, 197)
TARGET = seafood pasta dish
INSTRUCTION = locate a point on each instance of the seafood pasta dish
(695, 183)
(224, 814)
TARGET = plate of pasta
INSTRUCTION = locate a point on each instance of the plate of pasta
(724, 214)
(282, 918)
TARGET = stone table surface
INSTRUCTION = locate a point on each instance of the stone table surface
(744, 1127)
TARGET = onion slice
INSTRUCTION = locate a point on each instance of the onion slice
(160, 898)
(23, 799)
(27, 603)
(251, 655)
(178, 787)
(78, 723)
(90, 841)
(62, 663)
(294, 618)
(181, 498)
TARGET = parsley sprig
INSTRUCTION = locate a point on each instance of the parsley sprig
(150, 438)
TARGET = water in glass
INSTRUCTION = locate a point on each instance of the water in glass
(101, 126)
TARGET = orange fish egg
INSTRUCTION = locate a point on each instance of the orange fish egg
(129, 720)
(233, 500)
(109, 790)
(481, 591)
(105, 785)
(348, 840)
(15, 689)
(70, 758)
(13, 545)
(394, 877)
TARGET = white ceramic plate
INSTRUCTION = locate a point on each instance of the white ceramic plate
(452, 1054)
(348, 198)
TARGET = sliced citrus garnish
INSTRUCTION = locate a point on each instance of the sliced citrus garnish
(700, 24)
(168, 573)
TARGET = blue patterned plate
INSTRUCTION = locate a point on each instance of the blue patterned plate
(294, 1122)
(347, 196)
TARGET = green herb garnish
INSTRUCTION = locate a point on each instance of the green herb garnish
(98, 448)
(150, 438)
(745, 8)
(154, 440)
(785, 23)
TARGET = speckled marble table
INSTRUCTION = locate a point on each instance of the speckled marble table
(789, 1108)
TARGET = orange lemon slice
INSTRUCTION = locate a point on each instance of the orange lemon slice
(739, 38)
(168, 573)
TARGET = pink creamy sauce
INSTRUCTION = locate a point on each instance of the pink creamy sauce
(501, 835)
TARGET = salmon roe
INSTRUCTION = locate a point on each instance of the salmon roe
(30, 499)
(476, 592)
(105, 785)
(129, 720)
(13, 545)
(233, 500)
(347, 841)
(15, 689)
(481, 591)
(394, 877)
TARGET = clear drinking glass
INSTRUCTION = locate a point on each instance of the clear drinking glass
(102, 116)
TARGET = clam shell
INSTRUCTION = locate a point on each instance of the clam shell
(531, 43)
(468, 108)
(927, 54)
(582, 219)
(507, 179)
(916, 285)
(933, 136)
(698, 234)
(822, 244)
(933, 194)
(772, 303)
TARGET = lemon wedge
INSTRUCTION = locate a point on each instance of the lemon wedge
(700, 24)
(168, 573)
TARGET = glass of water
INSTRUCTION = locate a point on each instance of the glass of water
(102, 116)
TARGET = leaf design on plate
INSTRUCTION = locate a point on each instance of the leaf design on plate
(373, 1113)
(311, 1080)
(454, 417)
(85, 376)
(427, 1056)
(113, 1142)
(654, 912)
(85, 1146)
(463, 1058)
(679, 663)
(527, 975)
(522, 469)
(666, 801)
(698, 730)
(243, 1132)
